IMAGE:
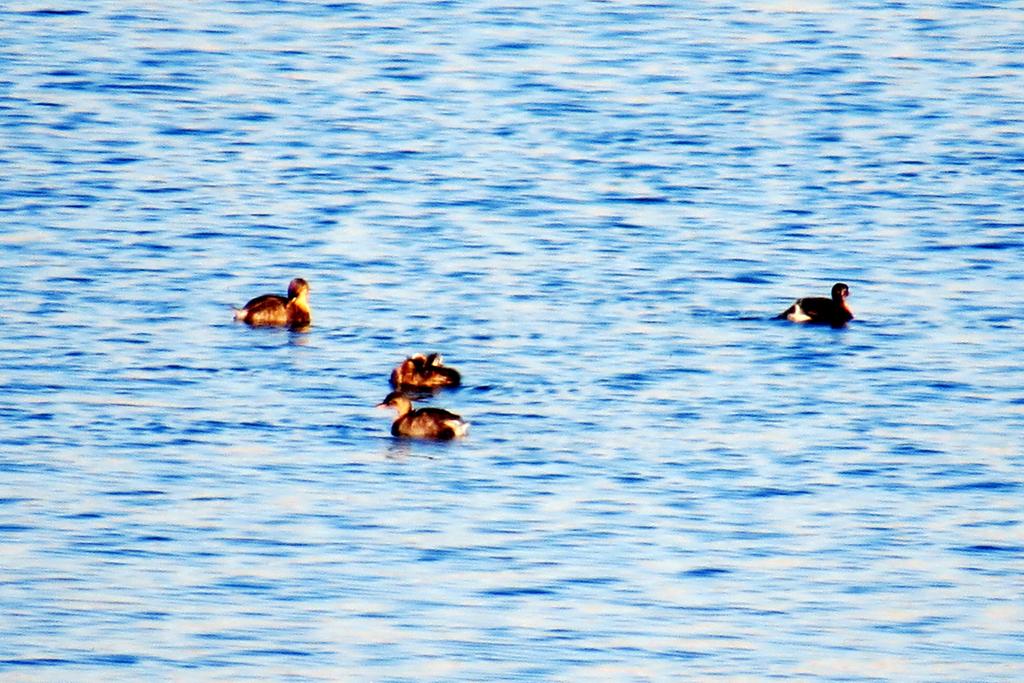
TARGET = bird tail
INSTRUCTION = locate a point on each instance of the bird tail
(785, 314)
(458, 427)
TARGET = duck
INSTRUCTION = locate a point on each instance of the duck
(424, 372)
(278, 311)
(816, 309)
(424, 423)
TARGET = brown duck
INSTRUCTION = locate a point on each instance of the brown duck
(424, 423)
(278, 311)
(424, 372)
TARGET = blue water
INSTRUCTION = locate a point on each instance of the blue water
(592, 210)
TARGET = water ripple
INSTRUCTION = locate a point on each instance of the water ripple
(593, 211)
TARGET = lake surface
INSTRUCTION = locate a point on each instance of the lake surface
(592, 210)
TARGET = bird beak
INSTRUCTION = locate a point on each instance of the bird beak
(382, 405)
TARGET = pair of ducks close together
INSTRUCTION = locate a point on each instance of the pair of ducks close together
(426, 374)
(416, 375)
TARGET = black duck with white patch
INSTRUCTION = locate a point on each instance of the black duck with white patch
(815, 309)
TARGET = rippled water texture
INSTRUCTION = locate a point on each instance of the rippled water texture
(592, 210)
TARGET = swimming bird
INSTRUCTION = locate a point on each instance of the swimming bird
(273, 310)
(424, 423)
(419, 372)
(815, 309)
